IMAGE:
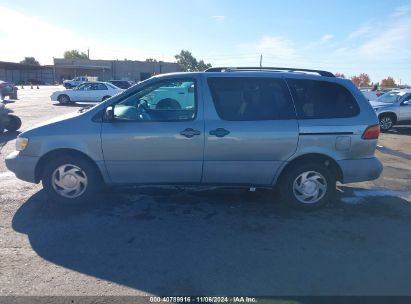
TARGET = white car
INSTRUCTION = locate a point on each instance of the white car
(89, 91)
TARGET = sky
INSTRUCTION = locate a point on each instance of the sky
(349, 37)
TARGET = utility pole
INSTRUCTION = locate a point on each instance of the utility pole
(88, 53)
(261, 61)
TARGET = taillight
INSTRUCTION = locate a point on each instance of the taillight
(378, 94)
(372, 132)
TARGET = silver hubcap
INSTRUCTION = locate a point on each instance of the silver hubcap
(309, 187)
(69, 181)
(386, 123)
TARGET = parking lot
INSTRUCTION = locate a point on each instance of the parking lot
(204, 241)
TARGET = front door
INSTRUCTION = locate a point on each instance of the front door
(251, 130)
(82, 93)
(156, 137)
(405, 109)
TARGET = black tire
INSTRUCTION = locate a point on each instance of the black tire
(64, 99)
(317, 173)
(386, 122)
(88, 169)
(106, 97)
(14, 123)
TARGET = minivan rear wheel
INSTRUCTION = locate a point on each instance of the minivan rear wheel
(71, 180)
(308, 186)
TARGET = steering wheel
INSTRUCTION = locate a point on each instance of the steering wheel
(142, 109)
(168, 104)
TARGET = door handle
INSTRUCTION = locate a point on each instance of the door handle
(219, 132)
(189, 132)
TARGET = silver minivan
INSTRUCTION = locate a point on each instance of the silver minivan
(302, 130)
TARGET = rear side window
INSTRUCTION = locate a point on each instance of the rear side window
(249, 99)
(321, 99)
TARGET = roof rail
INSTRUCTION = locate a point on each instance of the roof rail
(269, 69)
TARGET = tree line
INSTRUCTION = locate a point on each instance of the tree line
(188, 63)
(363, 80)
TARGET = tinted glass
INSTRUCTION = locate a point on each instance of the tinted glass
(321, 99)
(391, 97)
(172, 100)
(84, 87)
(98, 86)
(248, 99)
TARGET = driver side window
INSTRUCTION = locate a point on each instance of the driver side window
(169, 100)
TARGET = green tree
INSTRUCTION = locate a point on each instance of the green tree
(30, 60)
(74, 54)
(189, 63)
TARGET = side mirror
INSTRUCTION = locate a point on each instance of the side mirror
(109, 114)
(191, 89)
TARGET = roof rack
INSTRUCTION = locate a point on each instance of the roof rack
(269, 69)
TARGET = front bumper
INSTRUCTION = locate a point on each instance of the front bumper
(360, 170)
(22, 166)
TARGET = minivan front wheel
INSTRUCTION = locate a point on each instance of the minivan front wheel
(71, 180)
(308, 186)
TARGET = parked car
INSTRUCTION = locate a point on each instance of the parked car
(393, 108)
(68, 84)
(89, 91)
(372, 94)
(7, 89)
(246, 127)
(122, 84)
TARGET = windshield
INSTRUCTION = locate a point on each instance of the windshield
(390, 97)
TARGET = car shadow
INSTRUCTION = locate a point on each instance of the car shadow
(400, 130)
(6, 101)
(75, 105)
(386, 150)
(182, 241)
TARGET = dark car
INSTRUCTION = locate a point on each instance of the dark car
(122, 84)
(7, 89)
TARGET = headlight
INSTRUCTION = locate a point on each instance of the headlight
(21, 143)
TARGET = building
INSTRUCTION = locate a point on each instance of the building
(111, 69)
(19, 73)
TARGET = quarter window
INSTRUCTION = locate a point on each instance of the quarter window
(321, 99)
(171, 100)
(250, 99)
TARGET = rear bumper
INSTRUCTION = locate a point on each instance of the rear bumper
(22, 166)
(360, 170)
